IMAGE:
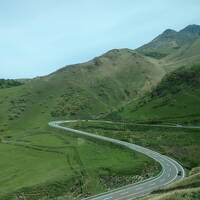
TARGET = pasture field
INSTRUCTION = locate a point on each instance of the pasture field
(47, 164)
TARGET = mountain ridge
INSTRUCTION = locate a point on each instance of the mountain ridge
(169, 41)
(111, 80)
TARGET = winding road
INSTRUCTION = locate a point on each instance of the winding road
(171, 170)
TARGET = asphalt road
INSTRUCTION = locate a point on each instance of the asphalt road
(169, 173)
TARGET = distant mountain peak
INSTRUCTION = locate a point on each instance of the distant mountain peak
(169, 41)
(193, 28)
(167, 34)
(169, 31)
(114, 53)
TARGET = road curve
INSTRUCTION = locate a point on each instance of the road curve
(169, 173)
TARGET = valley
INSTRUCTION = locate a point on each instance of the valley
(158, 83)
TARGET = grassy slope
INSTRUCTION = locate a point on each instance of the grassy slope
(109, 81)
(185, 56)
(184, 147)
(176, 99)
(54, 163)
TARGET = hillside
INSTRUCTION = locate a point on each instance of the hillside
(175, 99)
(109, 80)
(170, 41)
(184, 56)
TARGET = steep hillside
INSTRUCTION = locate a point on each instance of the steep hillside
(170, 41)
(85, 90)
(175, 99)
(184, 56)
(111, 81)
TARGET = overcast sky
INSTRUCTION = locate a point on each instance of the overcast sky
(38, 37)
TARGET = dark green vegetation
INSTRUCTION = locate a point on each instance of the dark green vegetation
(7, 83)
(35, 157)
(176, 99)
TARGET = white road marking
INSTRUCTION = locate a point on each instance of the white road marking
(123, 193)
(107, 198)
(139, 188)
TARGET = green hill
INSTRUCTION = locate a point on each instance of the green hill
(175, 99)
(111, 81)
(86, 90)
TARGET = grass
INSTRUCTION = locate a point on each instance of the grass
(181, 144)
(55, 163)
(176, 99)
(110, 81)
(187, 194)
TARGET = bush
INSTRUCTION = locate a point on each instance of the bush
(9, 83)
